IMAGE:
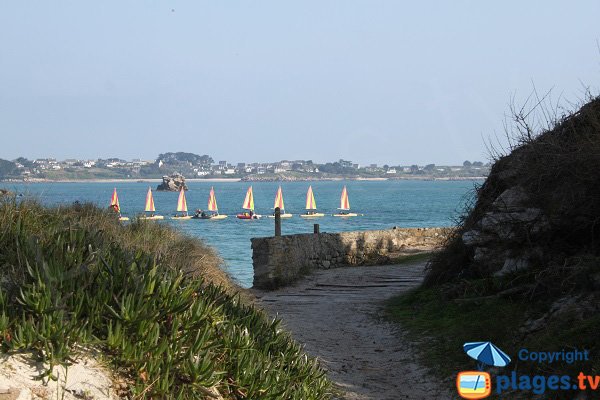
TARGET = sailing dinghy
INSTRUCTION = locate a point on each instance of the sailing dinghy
(248, 205)
(182, 207)
(212, 207)
(279, 203)
(311, 205)
(150, 209)
(344, 205)
(114, 205)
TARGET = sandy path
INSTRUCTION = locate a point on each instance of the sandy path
(336, 314)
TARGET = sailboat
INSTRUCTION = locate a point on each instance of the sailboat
(182, 207)
(248, 205)
(212, 206)
(279, 203)
(344, 205)
(114, 205)
(311, 205)
(150, 208)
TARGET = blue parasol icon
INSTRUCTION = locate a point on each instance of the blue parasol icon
(486, 353)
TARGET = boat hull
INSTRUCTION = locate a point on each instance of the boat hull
(346, 215)
(153, 218)
(182, 218)
(215, 217)
(286, 215)
(315, 215)
(247, 216)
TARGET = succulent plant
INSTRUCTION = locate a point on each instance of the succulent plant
(68, 283)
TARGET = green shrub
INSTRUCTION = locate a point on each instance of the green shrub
(75, 277)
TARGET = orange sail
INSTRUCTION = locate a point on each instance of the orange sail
(149, 201)
(212, 201)
(181, 203)
(311, 204)
(114, 202)
(344, 202)
(249, 200)
(279, 199)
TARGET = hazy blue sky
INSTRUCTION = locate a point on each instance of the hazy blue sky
(371, 81)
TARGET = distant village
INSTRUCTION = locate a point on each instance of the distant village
(203, 166)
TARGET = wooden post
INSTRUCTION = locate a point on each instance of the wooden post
(316, 229)
(277, 221)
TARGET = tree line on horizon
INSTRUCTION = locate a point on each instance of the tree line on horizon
(191, 163)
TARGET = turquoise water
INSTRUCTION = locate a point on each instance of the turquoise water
(384, 203)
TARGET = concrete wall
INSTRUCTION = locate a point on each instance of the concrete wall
(283, 259)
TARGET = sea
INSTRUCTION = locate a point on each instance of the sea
(381, 204)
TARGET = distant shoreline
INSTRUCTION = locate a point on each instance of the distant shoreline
(117, 180)
(228, 180)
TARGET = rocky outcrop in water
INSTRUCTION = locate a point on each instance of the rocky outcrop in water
(172, 183)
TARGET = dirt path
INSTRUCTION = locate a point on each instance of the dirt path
(336, 314)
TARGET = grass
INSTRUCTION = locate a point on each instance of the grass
(84, 173)
(149, 299)
(552, 304)
(411, 258)
(440, 325)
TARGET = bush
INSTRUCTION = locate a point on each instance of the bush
(73, 277)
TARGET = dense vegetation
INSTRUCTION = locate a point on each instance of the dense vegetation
(182, 157)
(74, 278)
(7, 168)
(517, 281)
(558, 171)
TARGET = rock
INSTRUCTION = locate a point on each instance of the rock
(6, 192)
(595, 279)
(572, 308)
(24, 394)
(533, 325)
(507, 225)
(512, 199)
(476, 238)
(513, 265)
(540, 226)
(172, 183)
(492, 219)
(481, 254)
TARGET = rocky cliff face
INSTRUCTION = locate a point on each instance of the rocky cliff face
(496, 239)
(538, 211)
(172, 183)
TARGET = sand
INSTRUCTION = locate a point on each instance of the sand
(85, 379)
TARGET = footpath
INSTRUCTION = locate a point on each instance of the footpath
(337, 315)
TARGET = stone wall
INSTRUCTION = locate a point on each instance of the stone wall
(283, 259)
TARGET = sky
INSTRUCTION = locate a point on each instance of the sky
(377, 81)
